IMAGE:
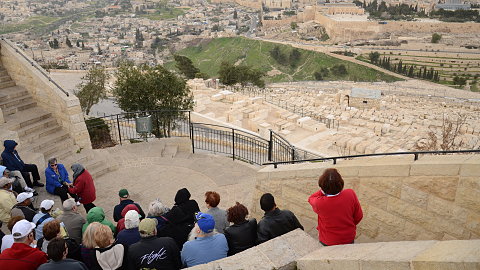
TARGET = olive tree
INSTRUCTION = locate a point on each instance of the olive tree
(92, 88)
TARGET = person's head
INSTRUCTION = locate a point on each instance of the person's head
(46, 206)
(205, 222)
(10, 145)
(267, 202)
(51, 229)
(52, 163)
(12, 221)
(132, 219)
(157, 208)
(103, 236)
(148, 227)
(24, 198)
(212, 199)
(88, 239)
(70, 205)
(6, 183)
(57, 249)
(182, 196)
(237, 213)
(331, 182)
(22, 232)
(123, 194)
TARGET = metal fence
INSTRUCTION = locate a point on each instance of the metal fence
(239, 144)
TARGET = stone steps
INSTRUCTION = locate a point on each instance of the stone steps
(5, 78)
(7, 84)
(26, 118)
(40, 126)
(17, 104)
(12, 92)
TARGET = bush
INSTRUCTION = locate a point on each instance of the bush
(436, 38)
(99, 133)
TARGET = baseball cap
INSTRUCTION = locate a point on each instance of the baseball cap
(22, 228)
(23, 196)
(47, 204)
(123, 193)
(147, 226)
(5, 180)
(205, 222)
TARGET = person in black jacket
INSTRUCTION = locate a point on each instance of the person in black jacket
(124, 201)
(13, 162)
(153, 252)
(275, 222)
(242, 234)
(189, 207)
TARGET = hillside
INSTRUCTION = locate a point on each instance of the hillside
(208, 57)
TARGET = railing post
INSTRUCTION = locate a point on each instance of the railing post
(189, 119)
(293, 154)
(233, 143)
(270, 146)
(416, 156)
(193, 138)
(119, 133)
(334, 161)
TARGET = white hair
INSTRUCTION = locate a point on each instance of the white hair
(157, 208)
(196, 232)
(69, 204)
(131, 219)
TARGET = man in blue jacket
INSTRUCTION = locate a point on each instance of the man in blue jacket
(57, 180)
(13, 162)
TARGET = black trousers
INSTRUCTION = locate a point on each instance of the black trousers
(88, 206)
(27, 169)
(63, 193)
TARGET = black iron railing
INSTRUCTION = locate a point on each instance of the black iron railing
(239, 144)
(34, 64)
(334, 159)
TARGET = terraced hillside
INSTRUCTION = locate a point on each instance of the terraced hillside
(209, 55)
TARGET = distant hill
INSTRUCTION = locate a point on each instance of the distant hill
(209, 55)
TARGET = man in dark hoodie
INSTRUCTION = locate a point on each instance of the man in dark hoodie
(13, 162)
(124, 201)
(189, 207)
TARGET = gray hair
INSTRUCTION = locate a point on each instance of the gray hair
(52, 160)
(69, 204)
(157, 208)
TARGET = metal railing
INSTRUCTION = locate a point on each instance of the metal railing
(334, 159)
(34, 64)
(239, 144)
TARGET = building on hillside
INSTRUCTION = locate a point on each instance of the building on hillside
(453, 5)
(277, 4)
(363, 98)
(340, 9)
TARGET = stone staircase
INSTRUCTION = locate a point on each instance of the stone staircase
(40, 133)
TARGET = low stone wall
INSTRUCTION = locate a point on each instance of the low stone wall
(433, 198)
(279, 253)
(66, 109)
(418, 255)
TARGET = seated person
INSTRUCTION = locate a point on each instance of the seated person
(212, 199)
(72, 220)
(205, 244)
(57, 253)
(242, 234)
(24, 207)
(57, 180)
(13, 162)
(54, 229)
(130, 234)
(18, 184)
(275, 222)
(7, 240)
(124, 201)
(7, 198)
(42, 217)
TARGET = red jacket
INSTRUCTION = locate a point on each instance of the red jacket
(121, 222)
(83, 186)
(22, 257)
(338, 216)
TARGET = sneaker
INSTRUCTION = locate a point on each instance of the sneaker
(28, 189)
(35, 193)
(78, 203)
(38, 184)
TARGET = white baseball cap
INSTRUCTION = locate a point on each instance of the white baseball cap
(23, 196)
(22, 228)
(47, 204)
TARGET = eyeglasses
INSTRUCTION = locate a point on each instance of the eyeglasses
(53, 165)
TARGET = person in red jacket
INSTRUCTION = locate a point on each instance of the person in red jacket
(83, 186)
(338, 210)
(21, 255)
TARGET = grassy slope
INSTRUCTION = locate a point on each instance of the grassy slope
(208, 58)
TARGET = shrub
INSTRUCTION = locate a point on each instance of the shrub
(99, 133)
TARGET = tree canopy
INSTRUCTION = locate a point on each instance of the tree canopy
(230, 74)
(92, 88)
(186, 67)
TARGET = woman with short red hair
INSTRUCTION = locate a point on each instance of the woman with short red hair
(338, 210)
(212, 199)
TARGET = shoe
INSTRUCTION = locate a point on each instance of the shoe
(78, 203)
(38, 184)
(35, 193)
(28, 189)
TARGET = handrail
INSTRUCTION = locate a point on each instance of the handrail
(239, 130)
(415, 153)
(35, 65)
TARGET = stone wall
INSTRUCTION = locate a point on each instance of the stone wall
(353, 30)
(418, 255)
(66, 109)
(433, 198)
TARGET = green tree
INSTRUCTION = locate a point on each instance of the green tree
(294, 57)
(230, 74)
(339, 70)
(92, 88)
(293, 25)
(374, 57)
(147, 88)
(138, 39)
(436, 38)
(318, 76)
(185, 66)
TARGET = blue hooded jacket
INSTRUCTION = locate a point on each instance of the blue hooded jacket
(53, 179)
(11, 158)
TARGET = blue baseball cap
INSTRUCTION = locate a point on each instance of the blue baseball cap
(205, 222)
